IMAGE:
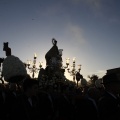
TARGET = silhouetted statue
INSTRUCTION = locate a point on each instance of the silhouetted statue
(6, 49)
(53, 64)
(52, 55)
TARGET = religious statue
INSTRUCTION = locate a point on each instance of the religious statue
(53, 64)
(53, 56)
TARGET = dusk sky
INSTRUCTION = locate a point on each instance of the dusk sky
(86, 29)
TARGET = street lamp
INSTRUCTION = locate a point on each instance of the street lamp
(73, 70)
(32, 66)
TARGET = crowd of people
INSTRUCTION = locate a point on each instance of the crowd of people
(29, 102)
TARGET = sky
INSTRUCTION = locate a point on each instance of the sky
(86, 29)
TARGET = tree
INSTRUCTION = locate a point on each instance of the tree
(92, 80)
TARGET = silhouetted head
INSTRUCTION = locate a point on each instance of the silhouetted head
(111, 83)
(110, 78)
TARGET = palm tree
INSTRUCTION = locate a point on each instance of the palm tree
(92, 78)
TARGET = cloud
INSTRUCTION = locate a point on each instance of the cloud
(100, 73)
(92, 3)
(114, 20)
(75, 33)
